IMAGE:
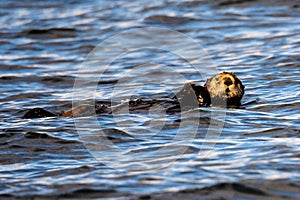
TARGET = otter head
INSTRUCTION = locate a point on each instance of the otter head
(225, 89)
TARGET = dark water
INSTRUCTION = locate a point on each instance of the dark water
(149, 155)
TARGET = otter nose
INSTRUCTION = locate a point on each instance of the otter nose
(228, 81)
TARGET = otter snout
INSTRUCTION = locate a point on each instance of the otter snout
(228, 81)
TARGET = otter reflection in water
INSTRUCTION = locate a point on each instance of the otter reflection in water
(222, 90)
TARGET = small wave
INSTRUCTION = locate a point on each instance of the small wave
(168, 20)
(52, 32)
(18, 147)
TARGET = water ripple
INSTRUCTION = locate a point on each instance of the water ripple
(256, 156)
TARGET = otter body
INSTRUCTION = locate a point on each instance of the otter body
(222, 90)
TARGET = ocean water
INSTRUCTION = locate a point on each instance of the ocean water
(57, 54)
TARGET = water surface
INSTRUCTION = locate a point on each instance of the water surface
(43, 46)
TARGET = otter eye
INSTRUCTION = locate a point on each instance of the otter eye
(228, 81)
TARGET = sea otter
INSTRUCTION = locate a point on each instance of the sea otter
(222, 90)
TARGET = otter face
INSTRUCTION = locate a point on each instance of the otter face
(225, 86)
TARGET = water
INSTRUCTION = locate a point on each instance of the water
(43, 46)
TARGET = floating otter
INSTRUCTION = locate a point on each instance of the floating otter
(222, 90)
